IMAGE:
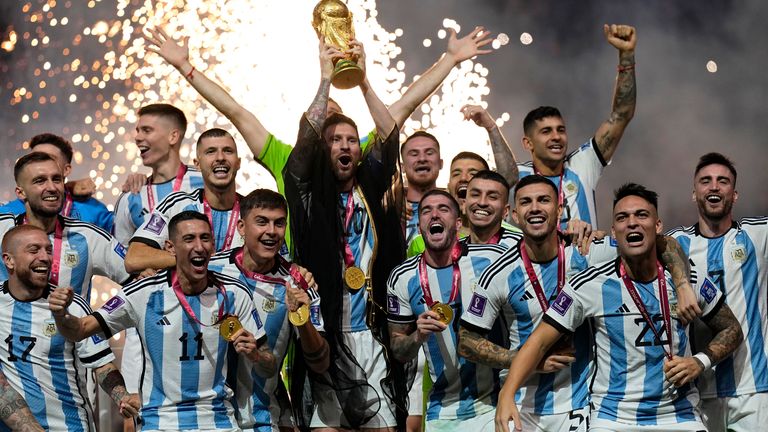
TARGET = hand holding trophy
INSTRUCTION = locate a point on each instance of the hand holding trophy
(332, 22)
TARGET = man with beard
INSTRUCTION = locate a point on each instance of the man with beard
(80, 249)
(421, 165)
(190, 322)
(735, 256)
(644, 369)
(486, 206)
(576, 174)
(85, 209)
(218, 200)
(159, 133)
(36, 360)
(424, 302)
(512, 287)
(350, 241)
(287, 302)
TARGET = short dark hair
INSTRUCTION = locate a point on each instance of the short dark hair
(422, 134)
(166, 111)
(213, 133)
(634, 189)
(493, 176)
(471, 155)
(533, 179)
(186, 215)
(10, 236)
(30, 158)
(337, 118)
(716, 159)
(64, 146)
(264, 199)
(537, 114)
(454, 203)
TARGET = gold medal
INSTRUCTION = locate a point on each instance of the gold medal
(300, 316)
(444, 312)
(229, 326)
(354, 278)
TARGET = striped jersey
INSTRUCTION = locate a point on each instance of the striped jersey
(582, 170)
(132, 208)
(360, 236)
(185, 363)
(86, 250)
(462, 389)
(255, 394)
(46, 369)
(154, 231)
(505, 290)
(737, 262)
(510, 235)
(88, 210)
(628, 383)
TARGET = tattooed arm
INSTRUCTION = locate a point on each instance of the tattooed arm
(264, 361)
(478, 349)
(404, 341)
(676, 262)
(316, 112)
(506, 164)
(14, 412)
(623, 38)
(111, 381)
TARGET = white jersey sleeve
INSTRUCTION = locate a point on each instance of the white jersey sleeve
(109, 259)
(93, 351)
(602, 250)
(710, 298)
(588, 163)
(569, 309)
(315, 316)
(154, 231)
(399, 309)
(490, 294)
(117, 314)
(124, 227)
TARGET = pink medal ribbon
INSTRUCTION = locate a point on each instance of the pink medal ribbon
(233, 218)
(663, 300)
(291, 268)
(58, 238)
(176, 186)
(67, 209)
(349, 257)
(543, 301)
(455, 279)
(188, 309)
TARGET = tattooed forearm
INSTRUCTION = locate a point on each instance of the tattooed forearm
(317, 110)
(623, 105)
(111, 381)
(264, 361)
(506, 165)
(674, 259)
(14, 412)
(478, 349)
(728, 335)
(405, 346)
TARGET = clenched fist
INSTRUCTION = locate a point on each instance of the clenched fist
(623, 37)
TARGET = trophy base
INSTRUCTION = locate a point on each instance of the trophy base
(346, 74)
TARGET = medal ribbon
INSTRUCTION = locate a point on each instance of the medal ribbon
(292, 269)
(67, 209)
(176, 186)
(349, 257)
(455, 279)
(233, 218)
(185, 304)
(496, 237)
(663, 300)
(543, 301)
(58, 238)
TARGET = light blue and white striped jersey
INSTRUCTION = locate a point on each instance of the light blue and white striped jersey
(504, 289)
(154, 231)
(583, 168)
(738, 263)
(88, 210)
(461, 389)
(628, 383)
(508, 236)
(46, 369)
(131, 208)
(361, 239)
(85, 250)
(185, 364)
(255, 395)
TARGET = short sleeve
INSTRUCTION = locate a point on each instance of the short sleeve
(315, 316)
(116, 315)
(602, 251)
(248, 315)
(566, 313)
(109, 260)
(274, 155)
(123, 223)
(486, 303)
(587, 163)
(398, 303)
(709, 296)
(154, 231)
(93, 351)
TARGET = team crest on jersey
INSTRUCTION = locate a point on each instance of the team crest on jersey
(739, 253)
(269, 305)
(708, 290)
(49, 327)
(71, 259)
(393, 304)
(156, 224)
(570, 187)
(477, 305)
(562, 303)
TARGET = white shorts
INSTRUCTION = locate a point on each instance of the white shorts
(416, 393)
(478, 423)
(736, 414)
(132, 361)
(370, 355)
(603, 425)
(571, 421)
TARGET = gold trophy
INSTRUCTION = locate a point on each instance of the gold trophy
(332, 21)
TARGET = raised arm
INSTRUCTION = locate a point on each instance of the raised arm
(71, 327)
(316, 112)
(14, 411)
(458, 50)
(623, 38)
(379, 112)
(506, 164)
(177, 55)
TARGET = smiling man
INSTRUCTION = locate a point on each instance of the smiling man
(734, 254)
(218, 200)
(631, 303)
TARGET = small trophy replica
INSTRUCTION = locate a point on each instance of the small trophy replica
(332, 22)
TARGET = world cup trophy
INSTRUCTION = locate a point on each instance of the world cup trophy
(332, 22)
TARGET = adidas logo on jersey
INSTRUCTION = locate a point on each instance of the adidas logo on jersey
(526, 296)
(163, 322)
(623, 309)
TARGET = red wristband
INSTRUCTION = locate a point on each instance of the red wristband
(620, 68)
